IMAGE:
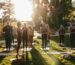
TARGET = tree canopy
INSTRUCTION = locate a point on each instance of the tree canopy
(54, 12)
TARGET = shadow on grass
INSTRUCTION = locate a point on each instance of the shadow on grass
(62, 47)
(2, 56)
(56, 60)
(72, 59)
(37, 58)
(22, 61)
(66, 40)
(18, 62)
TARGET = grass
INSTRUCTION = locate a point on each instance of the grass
(37, 57)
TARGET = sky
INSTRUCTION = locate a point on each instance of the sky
(73, 3)
(23, 9)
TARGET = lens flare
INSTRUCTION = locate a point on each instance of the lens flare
(23, 9)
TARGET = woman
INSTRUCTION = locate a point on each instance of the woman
(19, 37)
(61, 34)
(24, 36)
(30, 36)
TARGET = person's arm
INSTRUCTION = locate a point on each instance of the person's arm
(3, 31)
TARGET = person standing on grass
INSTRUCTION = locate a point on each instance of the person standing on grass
(44, 35)
(72, 36)
(24, 36)
(48, 34)
(19, 37)
(14, 34)
(61, 34)
(30, 36)
(7, 31)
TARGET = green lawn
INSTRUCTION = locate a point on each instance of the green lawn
(40, 57)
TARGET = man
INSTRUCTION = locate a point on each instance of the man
(44, 35)
(61, 34)
(30, 36)
(19, 37)
(72, 35)
(24, 36)
(48, 34)
(14, 34)
(7, 31)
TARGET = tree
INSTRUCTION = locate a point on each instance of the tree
(54, 12)
(60, 9)
(7, 7)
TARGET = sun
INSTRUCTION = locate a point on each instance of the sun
(23, 9)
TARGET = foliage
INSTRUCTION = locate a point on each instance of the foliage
(59, 11)
(37, 56)
(56, 12)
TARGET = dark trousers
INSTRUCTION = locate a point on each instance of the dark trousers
(25, 42)
(44, 40)
(61, 38)
(19, 43)
(8, 42)
(48, 41)
(72, 40)
(13, 39)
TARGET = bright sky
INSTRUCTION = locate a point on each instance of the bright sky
(1, 13)
(23, 9)
(73, 0)
(73, 3)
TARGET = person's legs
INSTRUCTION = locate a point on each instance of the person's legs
(6, 44)
(46, 42)
(23, 45)
(60, 39)
(71, 40)
(74, 40)
(42, 40)
(10, 42)
(23, 48)
(13, 40)
(31, 40)
(18, 47)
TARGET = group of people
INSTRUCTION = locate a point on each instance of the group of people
(24, 36)
(71, 30)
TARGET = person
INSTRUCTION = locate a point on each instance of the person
(72, 36)
(48, 34)
(7, 31)
(24, 36)
(19, 37)
(30, 36)
(14, 34)
(61, 34)
(44, 35)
